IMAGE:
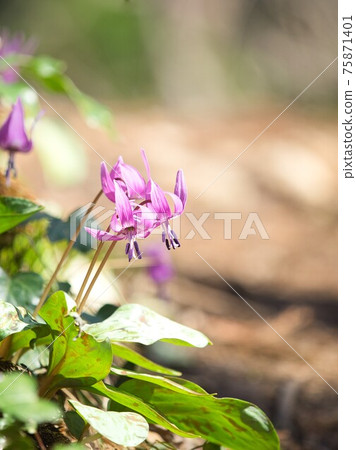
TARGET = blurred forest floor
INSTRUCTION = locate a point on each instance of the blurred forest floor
(288, 176)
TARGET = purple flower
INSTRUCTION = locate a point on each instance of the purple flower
(13, 46)
(158, 203)
(129, 178)
(13, 137)
(160, 269)
(129, 222)
(140, 207)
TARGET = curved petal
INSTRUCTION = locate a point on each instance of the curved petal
(101, 235)
(178, 205)
(123, 207)
(134, 181)
(158, 201)
(129, 178)
(180, 188)
(115, 172)
(107, 183)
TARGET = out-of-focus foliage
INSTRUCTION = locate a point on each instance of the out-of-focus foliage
(167, 51)
(21, 406)
(31, 250)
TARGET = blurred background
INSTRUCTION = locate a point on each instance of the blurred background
(194, 83)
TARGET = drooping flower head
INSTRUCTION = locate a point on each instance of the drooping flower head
(12, 49)
(130, 222)
(140, 207)
(13, 136)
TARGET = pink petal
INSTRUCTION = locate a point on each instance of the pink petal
(158, 200)
(103, 235)
(178, 205)
(180, 188)
(146, 222)
(145, 161)
(136, 185)
(123, 207)
(115, 225)
(12, 133)
(107, 183)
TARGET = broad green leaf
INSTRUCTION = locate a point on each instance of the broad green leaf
(14, 319)
(136, 323)
(19, 399)
(134, 403)
(22, 289)
(15, 210)
(155, 379)
(132, 356)
(128, 429)
(39, 335)
(56, 308)
(229, 422)
(76, 358)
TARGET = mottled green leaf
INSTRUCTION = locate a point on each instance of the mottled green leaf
(22, 289)
(132, 356)
(123, 428)
(40, 335)
(19, 399)
(76, 358)
(14, 319)
(155, 379)
(229, 422)
(136, 323)
(134, 403)
(15, 210)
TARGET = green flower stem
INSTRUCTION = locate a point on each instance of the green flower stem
(65, 254)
